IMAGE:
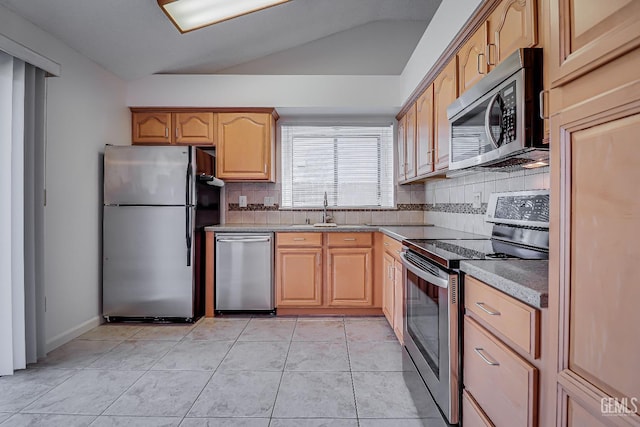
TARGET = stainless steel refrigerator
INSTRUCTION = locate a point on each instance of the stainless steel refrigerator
(150, 228)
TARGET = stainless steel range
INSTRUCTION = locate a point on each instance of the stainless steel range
(432, 312)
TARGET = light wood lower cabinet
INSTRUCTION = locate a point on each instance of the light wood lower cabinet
(393, 286)
(349, 277)
(299, 277)
(501, 362)
(326, 273)
(503, 383)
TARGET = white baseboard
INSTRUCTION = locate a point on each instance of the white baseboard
(72, 333)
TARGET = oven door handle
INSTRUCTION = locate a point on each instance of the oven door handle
(424, 275)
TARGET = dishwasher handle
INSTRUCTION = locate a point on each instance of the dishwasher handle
(244, 240)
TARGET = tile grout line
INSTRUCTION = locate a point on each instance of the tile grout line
(353, 386)
(214, 371)
(284, 366)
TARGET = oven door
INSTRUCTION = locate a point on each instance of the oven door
(431, 330)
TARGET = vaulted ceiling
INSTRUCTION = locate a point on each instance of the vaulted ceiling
(133, 38)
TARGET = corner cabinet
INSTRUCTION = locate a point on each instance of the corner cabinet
(246, 147)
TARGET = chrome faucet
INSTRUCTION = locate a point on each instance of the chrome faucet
(325, 218)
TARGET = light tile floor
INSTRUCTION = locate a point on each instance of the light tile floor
(230, 371)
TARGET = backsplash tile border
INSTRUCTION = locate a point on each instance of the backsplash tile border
(466, 208)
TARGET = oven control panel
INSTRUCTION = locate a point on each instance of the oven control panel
(523, 208)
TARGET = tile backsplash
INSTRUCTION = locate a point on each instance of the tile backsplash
(449, 202)
(410, 208)
(446, 202)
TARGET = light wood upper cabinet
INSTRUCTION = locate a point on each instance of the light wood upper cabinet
(402, 148)
(197, 128)
(588, 33)
(151, 128)
(472, 61)
(424, 132)
(350, 277)
(445, 91)
(410, 142)
(246, 145)
(512, 25)
(162, 127)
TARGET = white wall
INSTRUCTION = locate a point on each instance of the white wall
(86, 108)
(445, 25)
(291, 94)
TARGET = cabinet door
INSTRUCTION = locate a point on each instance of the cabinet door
(424, 132)
(349, 277)
(511, 26)
(596, 292)
(151, 128)
(445, 91)
(587, 33)
(194, 128)
(388, 287)
(410, 142)
(398, 301)
(401, 148)
(299, 277)
(245, 146)
(472, 63)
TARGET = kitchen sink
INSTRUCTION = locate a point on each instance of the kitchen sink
(328, 226)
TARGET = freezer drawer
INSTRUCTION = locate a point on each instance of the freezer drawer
(244, 272)
(147, 263)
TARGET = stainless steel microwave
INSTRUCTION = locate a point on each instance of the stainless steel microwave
(497, 122)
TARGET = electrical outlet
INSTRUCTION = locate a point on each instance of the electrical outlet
(477, 200)
(269, 201)
(242, 201)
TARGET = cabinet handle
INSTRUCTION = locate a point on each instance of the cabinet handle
(486, 359)
(386, 244)
(166, 132)
(541, 102)
(479, 63)
(265, 168)
(349, 239)
(299, 239)
(489, 54)
(488, 310)
(177, 132)
(318, 259)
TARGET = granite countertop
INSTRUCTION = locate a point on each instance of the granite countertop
(525, 280)
(398, 232)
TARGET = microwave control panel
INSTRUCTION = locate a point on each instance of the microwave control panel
(508, 95)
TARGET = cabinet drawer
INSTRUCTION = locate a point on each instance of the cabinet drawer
(349, 239)
(392, 246)
(517, 322)
(299, 239)
(502, 383)
(472, 415)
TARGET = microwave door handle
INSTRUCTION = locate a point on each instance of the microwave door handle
(424, 275)
(487, 117)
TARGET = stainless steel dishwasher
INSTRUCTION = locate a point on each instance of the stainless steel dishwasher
(244, 272)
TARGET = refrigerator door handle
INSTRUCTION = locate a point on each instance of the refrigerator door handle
(188, 215)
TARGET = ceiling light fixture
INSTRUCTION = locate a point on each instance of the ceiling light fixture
(189, 15)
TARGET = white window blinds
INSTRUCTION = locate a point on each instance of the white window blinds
(352, 164)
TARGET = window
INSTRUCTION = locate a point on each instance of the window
(352, 164)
